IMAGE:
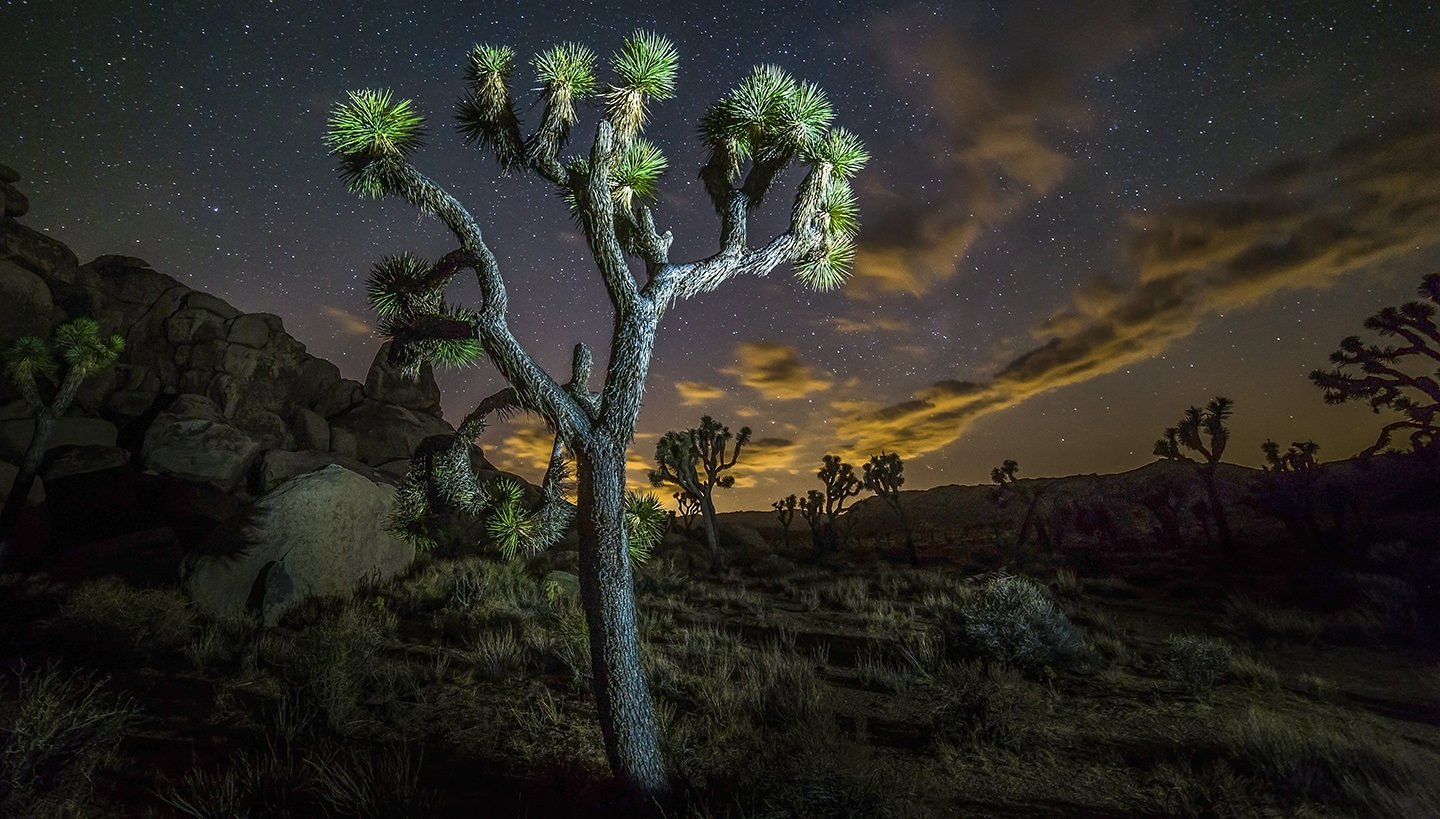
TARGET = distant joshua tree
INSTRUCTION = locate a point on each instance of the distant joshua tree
(813, 510)
(1299, 458)
(1168, 447)
(785, 513)
(693, 460)
(1205, 432)
(28, 360)
(769, 123)
(840, 485)
(1380, 381)
(883, 476)
(686, 509)
(1004, 478)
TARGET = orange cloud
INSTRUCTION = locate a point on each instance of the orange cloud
(348, 321)
(1302, 225)
(695, 393)
(776, 371)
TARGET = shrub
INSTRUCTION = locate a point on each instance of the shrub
(111, 617)
(992, 706)
(1012, 621)
(1195, 662)
(55, 734)
(1259, 621)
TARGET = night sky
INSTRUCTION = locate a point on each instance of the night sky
(1079, 218)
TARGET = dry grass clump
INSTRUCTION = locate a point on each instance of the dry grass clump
(57, 731)
(1322, 763)
(1260, 621)
(1253, 672)
(111, 619)
(987, 705)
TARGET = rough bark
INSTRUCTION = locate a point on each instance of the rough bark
(622, 695)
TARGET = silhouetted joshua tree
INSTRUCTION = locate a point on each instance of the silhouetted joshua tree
(1381, 381)
(883, 476)
(1301, 456)
(687, 508)
(1004, 478)
(841, 484)
(1205, 432)
(28, 360)
(812, 509)
(752, 135)
(785, 513)
(693, 460)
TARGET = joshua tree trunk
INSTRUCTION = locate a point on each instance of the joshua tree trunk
(1227, 545)
(622, 695)
(712, 531)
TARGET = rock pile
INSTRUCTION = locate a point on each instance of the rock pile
(204, 394)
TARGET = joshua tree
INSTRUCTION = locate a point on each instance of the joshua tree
(29, 358)
(687, 509)
(751, 135)
(813, 510)
(883, 476)
(1381, 381)
(1195, 428)
(1004, 478)
(693, 461)
(840, 485)
(785, 513)
(1300, 457)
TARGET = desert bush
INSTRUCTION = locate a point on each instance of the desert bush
(366, 784)
(992, 706)
(1195, 662)
(56, 732)
(109, 617)
(1012, 621)
(221, 640)
(337, 659)
(1108, 649)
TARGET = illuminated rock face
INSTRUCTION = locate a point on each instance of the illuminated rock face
(321, 533)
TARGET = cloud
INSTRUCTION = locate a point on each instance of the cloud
(994, 112)
(766, 456)
(694, 393)
(873, 324)
(524, 449)
(776, 371)
(1300, 225)
(348, 321)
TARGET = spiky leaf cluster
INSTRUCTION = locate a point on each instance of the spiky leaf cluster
(369, 131)
(1209, 423)
(28, 356)
(79, 343)
(636, 172)
(567, 76)
(644, 524)
(645, 67)
(768, 118)
(486, 113)
(408, 294)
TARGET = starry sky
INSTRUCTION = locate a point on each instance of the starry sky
(1079, 218)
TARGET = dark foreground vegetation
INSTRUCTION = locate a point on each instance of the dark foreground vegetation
(1135, 680)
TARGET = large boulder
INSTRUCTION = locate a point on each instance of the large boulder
(193, 440)
(279, 466)
(385, 382)
(322, 533)
(64, 461)
(17, 429)
(25, 304)
(386, 432)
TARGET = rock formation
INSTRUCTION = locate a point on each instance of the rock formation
(203, 394)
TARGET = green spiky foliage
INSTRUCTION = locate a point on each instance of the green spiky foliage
(645, 66)
(1389, 377)
(486, 113)
(693, 460)
(369, 133)
(30, 361)
(408, 294)
(785, 513)
(884, 475)
(770, 121)
(644, 524)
